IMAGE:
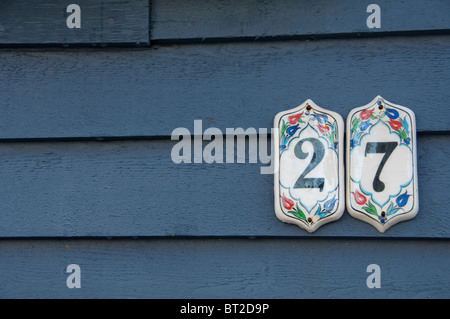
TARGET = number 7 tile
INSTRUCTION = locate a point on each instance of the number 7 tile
(309, 166)
(382, 164)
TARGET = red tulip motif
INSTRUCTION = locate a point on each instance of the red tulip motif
(323, 129)
(287, 203)
(359, 198)
(395, 124)
(294, 118)
(365, 114)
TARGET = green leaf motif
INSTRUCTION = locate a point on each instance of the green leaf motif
(354, 124)
(330, 137)
(298, 213)
(371, 209)
(283, 128)
(403, 135)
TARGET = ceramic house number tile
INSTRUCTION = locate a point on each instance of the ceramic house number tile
(381, 164)
(309, 171)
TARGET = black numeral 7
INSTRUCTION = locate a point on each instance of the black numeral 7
(380, 147)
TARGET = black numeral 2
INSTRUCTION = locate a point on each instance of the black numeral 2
(380, 147)
(318, 154)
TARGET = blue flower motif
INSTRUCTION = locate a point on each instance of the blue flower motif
(405, 125)
(364, 125)
(402, 199)
(407, 141)
(329, 205)
(391, 113)
(355, 138)
(318, 210)
(392, 210)
(321, 118)
(291, 130)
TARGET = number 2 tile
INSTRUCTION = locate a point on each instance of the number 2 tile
(309, 168)
(381, 164)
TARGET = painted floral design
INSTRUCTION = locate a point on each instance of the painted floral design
(326, 127)
(319, 121)
(322, 210)
(287, 203)
(397, 122)
(366, 204)
(361, 124)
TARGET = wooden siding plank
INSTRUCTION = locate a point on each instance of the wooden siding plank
(128, 22)
(133, 188)
(150, 92)
(178, 20)
(101, 22)
(229, 268)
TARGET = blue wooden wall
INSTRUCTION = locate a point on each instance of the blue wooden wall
(87, 176)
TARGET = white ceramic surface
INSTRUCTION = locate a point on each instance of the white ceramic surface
(309, 166)
(381, 164)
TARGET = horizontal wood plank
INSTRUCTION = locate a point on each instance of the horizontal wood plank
(133, 188)
(150, 92)
(23, 22)
(130, 22)
(230, 268)
(178, 20)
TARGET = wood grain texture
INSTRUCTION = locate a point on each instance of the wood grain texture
(132, 188)
(85, 154)
(102, 22)
(129, 22)
(228, 268)
(150, 92)
(178, 20)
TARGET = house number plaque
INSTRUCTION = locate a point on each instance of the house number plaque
(381, 164)
(309, 171)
